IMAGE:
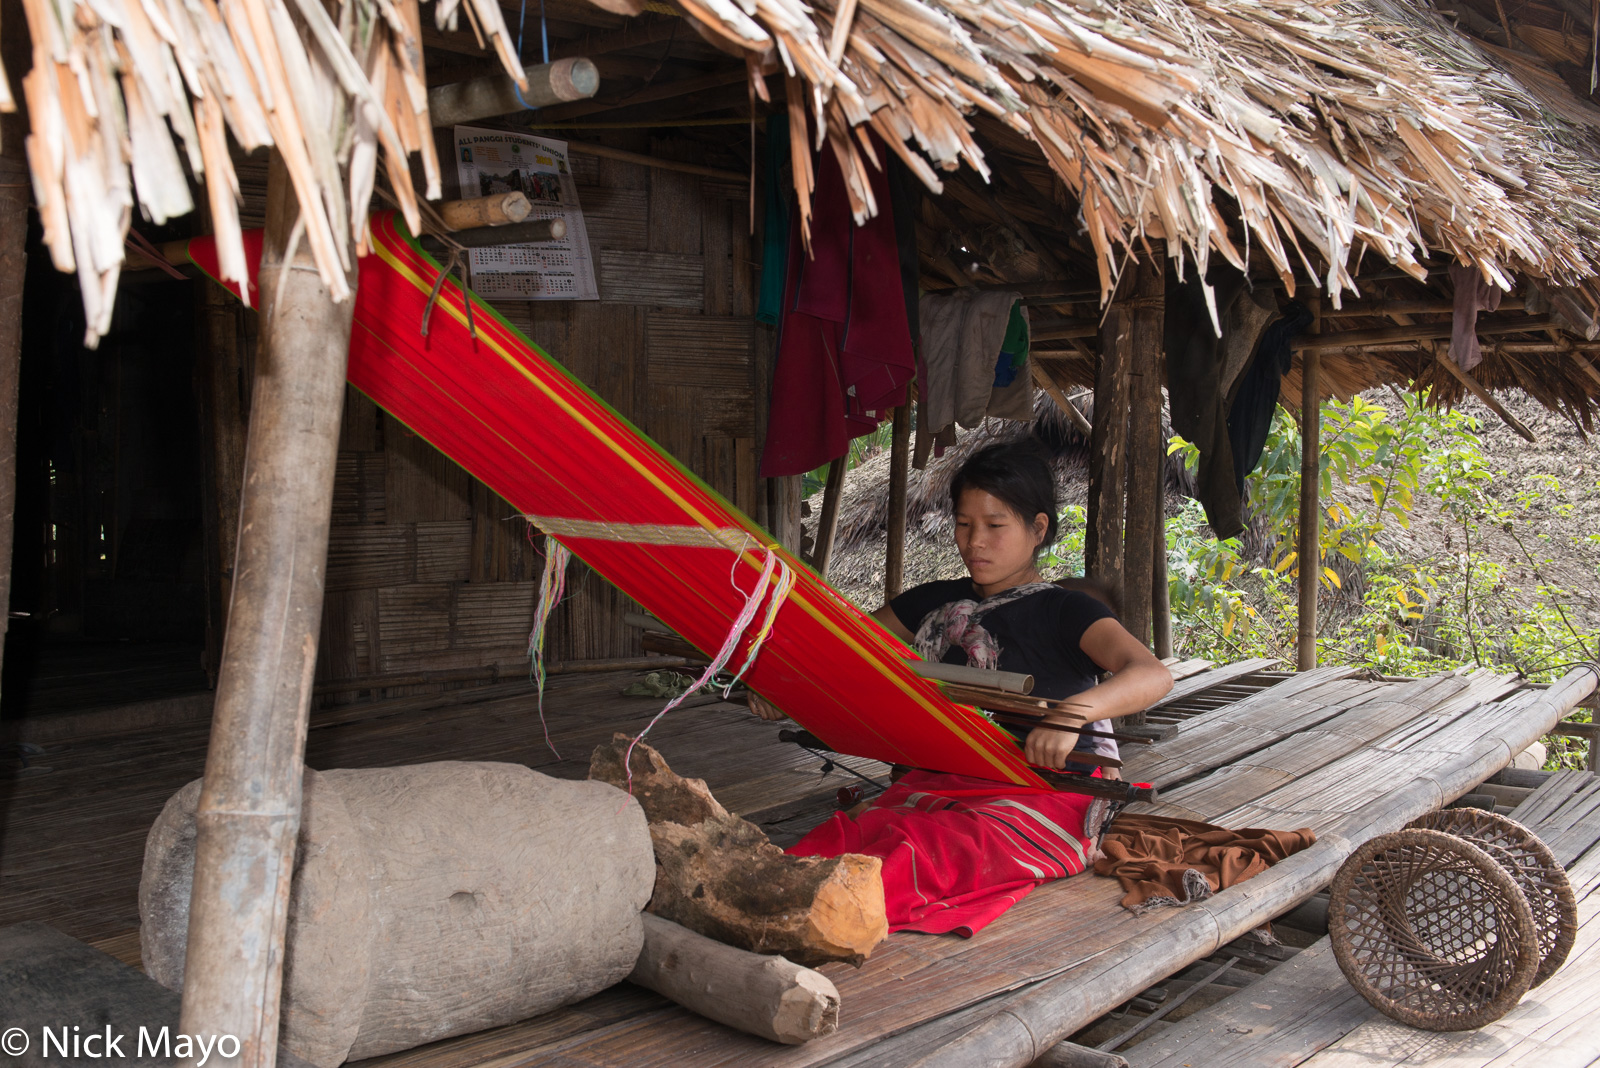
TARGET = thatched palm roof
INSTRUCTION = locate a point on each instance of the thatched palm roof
(1311, 132)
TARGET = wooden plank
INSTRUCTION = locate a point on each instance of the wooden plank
(666, 279)
(675, 204)
(420, 482)
(700, 350)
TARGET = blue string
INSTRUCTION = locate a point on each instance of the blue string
(522, 21)
(544, 31)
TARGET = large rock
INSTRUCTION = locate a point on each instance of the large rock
(430, 901)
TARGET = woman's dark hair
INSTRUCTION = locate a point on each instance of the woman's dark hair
(1017, 474)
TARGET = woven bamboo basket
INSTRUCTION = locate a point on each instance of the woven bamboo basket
(1542, 879)
(1432, 930)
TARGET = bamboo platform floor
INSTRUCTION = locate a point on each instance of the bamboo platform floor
(1348, 755)
(1305, 1013)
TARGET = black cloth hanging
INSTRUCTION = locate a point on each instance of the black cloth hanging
(1195, 392)
(1250, 418)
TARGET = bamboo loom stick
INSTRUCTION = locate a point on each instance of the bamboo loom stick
(556, 82)
(249, 807)
(1310, 541)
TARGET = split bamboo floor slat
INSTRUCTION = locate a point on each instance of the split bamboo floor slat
(71, 841)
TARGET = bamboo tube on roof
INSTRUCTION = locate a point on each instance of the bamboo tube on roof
(557, 82)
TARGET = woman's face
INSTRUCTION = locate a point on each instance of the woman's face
(995, 543)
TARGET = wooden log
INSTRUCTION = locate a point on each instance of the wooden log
(1072, 1055)
(828, 522)
(1108, 449)
(894, 564)
(766, 996)
(1309, 545)
(249, 808)
(1146, 459)
(428, 901)
(496, 209)
(562, 80)
(720, 876)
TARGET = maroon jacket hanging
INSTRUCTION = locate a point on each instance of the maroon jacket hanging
(844, 347)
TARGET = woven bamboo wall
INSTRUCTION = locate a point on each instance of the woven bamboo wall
(430, 572)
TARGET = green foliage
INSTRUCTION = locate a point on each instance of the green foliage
(1454, 606)
(861, 450)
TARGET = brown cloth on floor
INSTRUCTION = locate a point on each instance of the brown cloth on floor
(1163, 861)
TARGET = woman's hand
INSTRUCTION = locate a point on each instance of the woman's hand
(764, 708)
(1051, 748)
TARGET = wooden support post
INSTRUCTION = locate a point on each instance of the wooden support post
(249, 807)
(1145, 461)
(828, 521)
(14, 188)
(1160, 590)
(1309, 559)
(894, 564)
(1108, 451)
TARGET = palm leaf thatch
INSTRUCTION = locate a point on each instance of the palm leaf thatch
(123, 94)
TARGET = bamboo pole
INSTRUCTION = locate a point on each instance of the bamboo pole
(1310, 543)
(894, 564)
(1473, 386)
(828, 521)
(496, 209)
(1144, 448)
(249, 809)
(1108, 452)
(556, 82)
(1391, 335)
(13, 267)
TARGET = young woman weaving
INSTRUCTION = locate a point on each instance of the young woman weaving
(959, 851)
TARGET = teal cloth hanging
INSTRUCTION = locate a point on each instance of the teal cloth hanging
(775, 240)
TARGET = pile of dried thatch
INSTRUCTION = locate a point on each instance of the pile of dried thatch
(119, 88)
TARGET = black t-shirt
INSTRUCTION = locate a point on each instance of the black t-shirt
(1038, 635)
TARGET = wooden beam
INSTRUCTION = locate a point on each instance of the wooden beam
(1145, 456)
(1108, 447)
(1391, 335)
(1442, 358)
(650, 94)
(1045, 379)
(1061, 329)
(607, 152)
(828, 521)
(894, 564)
(1309, 548)
(1378, 308)
(635, 33)
(249, 807)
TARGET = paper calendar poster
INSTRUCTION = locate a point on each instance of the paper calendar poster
(498, 161)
